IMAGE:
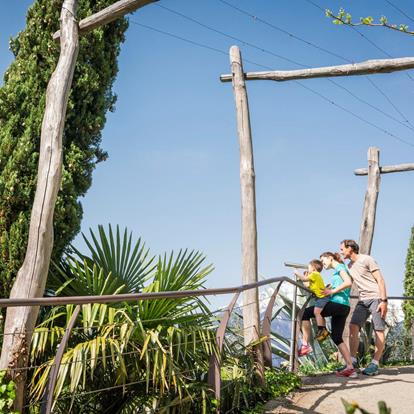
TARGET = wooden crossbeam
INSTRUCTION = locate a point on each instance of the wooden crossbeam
(387, 169)
(107, 15)
(363, 68)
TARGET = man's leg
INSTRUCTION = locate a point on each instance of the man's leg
(358, 319)
(379, 328)
(354, 339)
(379, 344)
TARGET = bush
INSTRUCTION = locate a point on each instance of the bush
(7, 394)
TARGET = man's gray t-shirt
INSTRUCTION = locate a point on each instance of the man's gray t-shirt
(361, 271)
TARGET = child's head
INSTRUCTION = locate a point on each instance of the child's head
(315, 265)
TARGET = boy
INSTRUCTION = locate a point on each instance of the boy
(314, 281)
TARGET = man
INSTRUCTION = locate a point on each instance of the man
(372, 301)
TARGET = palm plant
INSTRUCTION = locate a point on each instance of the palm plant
(151, 353)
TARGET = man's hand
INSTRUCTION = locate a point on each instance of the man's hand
(382, 309)
(328, 292)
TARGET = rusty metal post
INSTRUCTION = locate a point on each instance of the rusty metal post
(214, 375)
(293, 329)
(266, 328)
(294, 367)
(48, 398)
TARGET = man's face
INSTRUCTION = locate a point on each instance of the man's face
(345, 251)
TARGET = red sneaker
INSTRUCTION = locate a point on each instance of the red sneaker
(305, 350)
(348, 372)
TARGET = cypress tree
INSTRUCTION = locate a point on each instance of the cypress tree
(409, 283)
(22, 101)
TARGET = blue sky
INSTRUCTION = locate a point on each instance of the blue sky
(172, 176)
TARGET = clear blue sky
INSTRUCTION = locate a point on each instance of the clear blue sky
(173, 172)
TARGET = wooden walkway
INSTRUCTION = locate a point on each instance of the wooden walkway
(322, 394)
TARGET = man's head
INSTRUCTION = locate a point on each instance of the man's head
(348, 247)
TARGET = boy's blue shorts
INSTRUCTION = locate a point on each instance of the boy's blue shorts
(321, 302)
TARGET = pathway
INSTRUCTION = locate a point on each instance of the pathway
(322, 394)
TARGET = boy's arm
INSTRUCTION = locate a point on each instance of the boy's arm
(303, 278)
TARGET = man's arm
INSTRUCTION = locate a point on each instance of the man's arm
(382, 307)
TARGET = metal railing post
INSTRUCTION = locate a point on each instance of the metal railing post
(266, 327)
(54, 371)
(214, 374)
(293, 330)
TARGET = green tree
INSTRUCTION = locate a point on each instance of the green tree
(22, 101)
(409, 282)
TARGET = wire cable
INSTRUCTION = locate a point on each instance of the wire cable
(399, 10)
(256, 18)
(204, 46)
(367, 39)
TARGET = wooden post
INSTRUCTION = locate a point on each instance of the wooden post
(31, 278)
(251, 317)
(362, 68)
(107, 15)
(368, 221)
(370, 204)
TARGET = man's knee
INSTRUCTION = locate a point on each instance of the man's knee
(354, 329)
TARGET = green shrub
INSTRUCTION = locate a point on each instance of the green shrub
(7, 394)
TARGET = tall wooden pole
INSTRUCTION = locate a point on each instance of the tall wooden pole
(31, 278)
(251, 317)
(370, 204)
(367, 228)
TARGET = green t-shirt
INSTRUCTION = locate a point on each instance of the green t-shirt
(341, 297)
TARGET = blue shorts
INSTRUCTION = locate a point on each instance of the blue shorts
(321, 302)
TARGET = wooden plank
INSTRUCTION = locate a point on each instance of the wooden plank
(363, 68)
(31, 278)
(387, 169)
(107, 15)
(251, 317)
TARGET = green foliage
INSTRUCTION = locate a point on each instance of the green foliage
(155, 352)
(350, 408)
(241, 392)
(308, 368)
(7, 394)
(408, 306)
(342, 17)
(22, 101)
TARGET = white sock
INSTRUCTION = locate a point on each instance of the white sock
(354, 359)
(374, 361)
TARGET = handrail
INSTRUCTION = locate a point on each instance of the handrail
(79, 300)
(214, 371)
(124, 297)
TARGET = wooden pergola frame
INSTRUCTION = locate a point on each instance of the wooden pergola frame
(247, 174)
(32, 275)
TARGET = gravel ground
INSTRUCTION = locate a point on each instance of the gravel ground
(322, 394)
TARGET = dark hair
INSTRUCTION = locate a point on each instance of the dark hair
(317, 264)
(335, 256)
(352, 244)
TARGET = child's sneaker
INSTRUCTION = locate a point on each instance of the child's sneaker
(348, 372)
(304, 350)
(371, 369)
(322, 335)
